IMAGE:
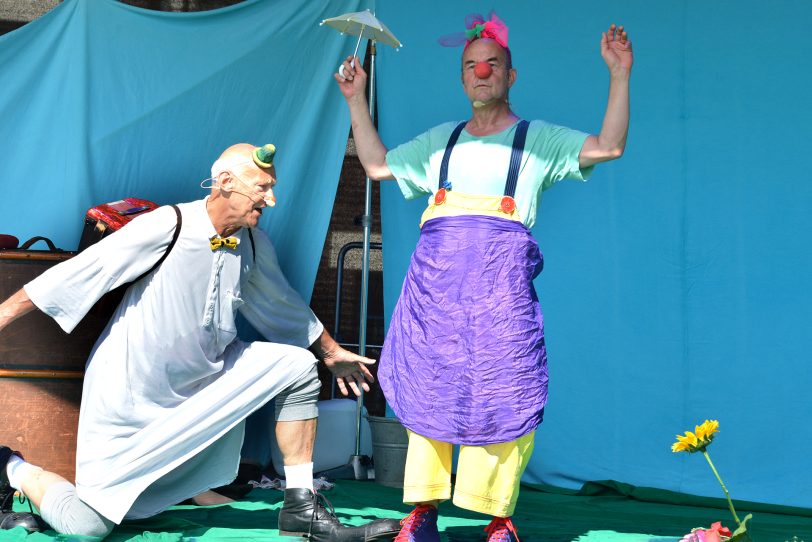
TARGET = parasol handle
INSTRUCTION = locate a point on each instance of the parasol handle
(355, 54)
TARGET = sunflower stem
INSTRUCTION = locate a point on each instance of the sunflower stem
(729, 501)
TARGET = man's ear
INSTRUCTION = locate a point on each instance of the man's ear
(225, 181)
(511, 77)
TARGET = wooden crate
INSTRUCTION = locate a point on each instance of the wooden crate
(41, 369)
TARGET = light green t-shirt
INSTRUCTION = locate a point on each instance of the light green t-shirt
(479, 165)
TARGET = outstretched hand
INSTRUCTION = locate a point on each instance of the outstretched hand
(351, 78)
(349, 369)
(616, 48)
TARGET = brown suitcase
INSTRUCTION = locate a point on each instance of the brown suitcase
(41, 369)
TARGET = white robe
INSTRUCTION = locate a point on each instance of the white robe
(168, 384)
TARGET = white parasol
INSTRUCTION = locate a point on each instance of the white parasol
(364, 25)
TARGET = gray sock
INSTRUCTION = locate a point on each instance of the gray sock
(66, 513)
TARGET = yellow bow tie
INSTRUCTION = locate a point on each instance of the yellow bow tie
(219, 242)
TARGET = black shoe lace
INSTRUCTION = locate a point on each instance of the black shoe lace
(6, 491)
(8, 500)
(22, 500)
(320, 502)
(7, 503)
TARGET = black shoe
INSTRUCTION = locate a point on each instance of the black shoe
(6, 491)
(303, 514)
(28, 521)
(8, 517)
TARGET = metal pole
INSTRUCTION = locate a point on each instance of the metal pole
(360, 473)
(342, 254)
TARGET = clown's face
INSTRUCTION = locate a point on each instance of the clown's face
(249, 192)
(486, 88)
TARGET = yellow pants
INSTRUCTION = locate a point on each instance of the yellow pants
(487, 476)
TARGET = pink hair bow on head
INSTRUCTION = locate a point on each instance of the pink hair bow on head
(477, 27)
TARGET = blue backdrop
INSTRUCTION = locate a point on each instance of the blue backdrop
(674, 287)
(102, 101)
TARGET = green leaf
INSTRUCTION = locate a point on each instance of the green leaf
(741, 534)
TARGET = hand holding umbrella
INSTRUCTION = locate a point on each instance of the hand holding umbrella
(351, 78)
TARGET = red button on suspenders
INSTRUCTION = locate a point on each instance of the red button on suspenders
(508, 205)
(439, 197)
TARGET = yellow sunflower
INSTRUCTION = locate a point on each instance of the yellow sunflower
(698, 440)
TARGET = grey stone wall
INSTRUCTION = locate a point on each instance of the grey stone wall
(24, 10)
(15, 13)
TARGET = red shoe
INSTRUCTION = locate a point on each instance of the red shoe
(419, 526)
(501, 530)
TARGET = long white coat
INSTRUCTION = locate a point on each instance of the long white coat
(168, 383)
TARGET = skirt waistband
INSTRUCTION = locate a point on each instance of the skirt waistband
(474, 221)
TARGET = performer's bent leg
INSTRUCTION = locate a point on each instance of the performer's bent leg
(67, 514)
(296, 412)
(300, 400)
(16, 473)
(54, 497)
(488, 477)
(302, 513)
(210, 418)
(295, 402)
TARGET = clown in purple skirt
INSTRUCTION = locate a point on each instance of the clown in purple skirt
(464, 361)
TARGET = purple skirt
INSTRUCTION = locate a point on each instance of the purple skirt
(464, 360)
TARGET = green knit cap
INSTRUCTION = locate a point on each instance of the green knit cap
(263, 156)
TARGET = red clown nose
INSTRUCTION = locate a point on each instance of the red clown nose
(483, 70)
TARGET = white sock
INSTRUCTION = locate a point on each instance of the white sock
(17, 470)
(299, 476)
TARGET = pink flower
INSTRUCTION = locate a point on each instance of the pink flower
(696, 535)
(716, 533)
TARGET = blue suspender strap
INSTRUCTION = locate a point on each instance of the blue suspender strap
(516, 157)
(455, 135)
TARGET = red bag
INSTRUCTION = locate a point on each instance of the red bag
(104, 219)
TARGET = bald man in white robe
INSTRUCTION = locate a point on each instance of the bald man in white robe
(168, 384)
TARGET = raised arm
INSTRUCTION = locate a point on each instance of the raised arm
(609, 144)
(371, 150)
(14, 307)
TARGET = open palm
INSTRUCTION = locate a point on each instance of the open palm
(349, 370)
(616, 48)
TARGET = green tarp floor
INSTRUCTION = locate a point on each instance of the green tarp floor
(599, 512)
